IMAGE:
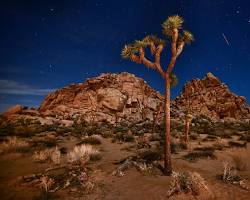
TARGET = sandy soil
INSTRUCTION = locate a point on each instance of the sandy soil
(134, 185)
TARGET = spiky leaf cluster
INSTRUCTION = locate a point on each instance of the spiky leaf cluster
(172, 23)
(134, 48)
(154, 39)
(173, 80)
(187, 37)
(139, 44)
(128, 51)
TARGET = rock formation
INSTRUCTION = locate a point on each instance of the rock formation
(212, 98)
(109, 97)
(126, 98)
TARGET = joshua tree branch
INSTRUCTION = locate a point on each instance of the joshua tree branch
(135, 59)
(180, 48)
(174, 41)
(144, 60)
(174, 51)
(158, 60)
(152, 48)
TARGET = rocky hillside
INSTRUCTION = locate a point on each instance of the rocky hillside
(108, 97)
(126, 98)
(212, 98)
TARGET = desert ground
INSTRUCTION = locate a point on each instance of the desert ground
(125, 164)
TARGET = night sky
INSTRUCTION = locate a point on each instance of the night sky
(52, 44)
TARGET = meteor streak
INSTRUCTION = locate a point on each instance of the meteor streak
(225, 38)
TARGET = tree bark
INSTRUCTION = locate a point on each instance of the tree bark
(187, 125)
(167, 152)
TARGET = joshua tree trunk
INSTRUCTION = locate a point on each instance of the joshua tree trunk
(167, 153)
(187, 124)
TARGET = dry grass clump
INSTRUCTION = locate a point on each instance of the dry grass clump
(93, 140)
(187, 182)
(46, 183)
(82, 153)
(53, 155)
(230, 176)
(13, 144)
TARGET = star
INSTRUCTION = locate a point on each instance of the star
(237, 11)
(52, 9)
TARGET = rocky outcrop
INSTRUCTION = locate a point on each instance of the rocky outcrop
(126, 98)
(17, 109)
(212, 98)
(109, 97)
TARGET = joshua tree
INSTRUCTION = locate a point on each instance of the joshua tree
(172, 29)
(188, 120)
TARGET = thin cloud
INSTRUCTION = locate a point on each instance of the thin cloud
(13, 87)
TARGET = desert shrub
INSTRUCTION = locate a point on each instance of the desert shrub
(122, 129)
(195, 155)
(128, 138)
(124, 137)
(237, 144)
(187, 182)
(210, 148)
(93, 140)
(229, 173)
(245, 138)
(107, 134)
(14, 144)
(230, 176)
(119, 136)
(44, 142)
(150, 155)
(82, 153)
(194, 136)
(175, 147)
(62, 130)
(53, 155)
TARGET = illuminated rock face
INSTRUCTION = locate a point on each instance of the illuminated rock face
(108, 97)
(124, 97)
(212, 98)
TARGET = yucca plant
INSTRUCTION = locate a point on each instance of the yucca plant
(177, 37)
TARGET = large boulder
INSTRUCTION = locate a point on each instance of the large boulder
(108, 97)
(212, 98)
